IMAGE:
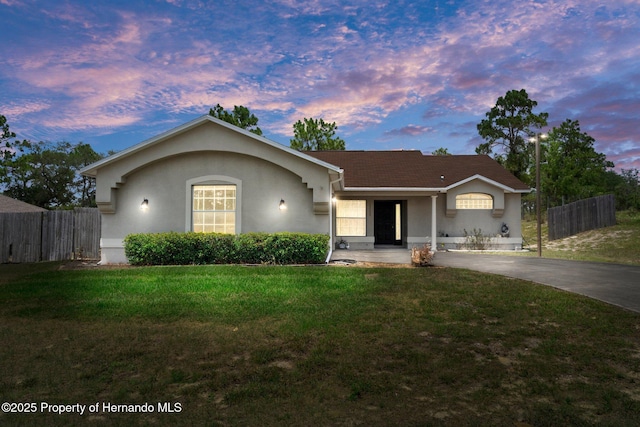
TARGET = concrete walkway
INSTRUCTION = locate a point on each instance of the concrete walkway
(387, 256)
(612, 283)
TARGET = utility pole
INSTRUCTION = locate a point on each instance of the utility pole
(537, 139)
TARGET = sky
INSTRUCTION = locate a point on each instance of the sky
(392, 74)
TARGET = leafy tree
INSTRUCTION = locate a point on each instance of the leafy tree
(315, 135)
(80, 156)
(573, 170)
(626, 187)
(5, 143)
(240, 116)
(628, 191)
(441, 152)
(6, 134)
(507, 127)
(39, 174)
(46, 175)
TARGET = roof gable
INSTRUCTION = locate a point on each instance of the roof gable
(206, 134)
(91, 170)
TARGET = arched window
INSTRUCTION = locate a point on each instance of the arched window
(474, 201)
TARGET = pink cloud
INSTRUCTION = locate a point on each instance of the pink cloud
(349, 65)
(103, 74)
(410, 130)
(16, 110)
(479, 55)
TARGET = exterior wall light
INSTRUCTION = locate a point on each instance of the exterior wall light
(144, 205)
(333, 198)
(283, 206)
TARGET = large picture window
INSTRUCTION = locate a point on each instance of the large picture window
(351, 218)
(474, 201)
(214, 208)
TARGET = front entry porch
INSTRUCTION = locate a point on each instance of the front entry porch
(368, 222)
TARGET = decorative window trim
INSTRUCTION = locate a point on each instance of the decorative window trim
(212, 180)
(470, 201)
(358, 218)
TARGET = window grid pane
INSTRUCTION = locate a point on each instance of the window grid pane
(474, 201)
(351, 208)
(351, 227)
(351, 218)
(214, 208)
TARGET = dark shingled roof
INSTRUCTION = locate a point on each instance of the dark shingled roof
(412, 169)
(8, 204)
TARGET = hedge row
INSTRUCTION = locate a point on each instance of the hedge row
(213, 248)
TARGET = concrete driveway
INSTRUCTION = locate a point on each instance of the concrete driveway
(612, 283)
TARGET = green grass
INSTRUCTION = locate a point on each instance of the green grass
(245, 346)
(617, 244)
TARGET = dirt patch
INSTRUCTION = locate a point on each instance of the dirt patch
(283, 364)
(91, 265)
(590, 240)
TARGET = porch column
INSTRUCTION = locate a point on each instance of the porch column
(434, 244)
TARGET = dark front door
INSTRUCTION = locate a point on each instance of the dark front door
(386, 222)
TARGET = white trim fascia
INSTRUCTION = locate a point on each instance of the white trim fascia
(436, 189)
(91, 170)
(488, 181)
(396, 189)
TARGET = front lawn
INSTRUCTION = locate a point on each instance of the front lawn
(273, 346)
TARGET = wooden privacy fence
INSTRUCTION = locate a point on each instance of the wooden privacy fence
(583, 215)
(50, 236)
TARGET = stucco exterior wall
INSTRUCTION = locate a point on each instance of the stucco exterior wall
(171, 169)
(206, 137)
(419, 217)
(208, 151)
(476, 186)
(451, 229)
(417, 222)
(506, 209)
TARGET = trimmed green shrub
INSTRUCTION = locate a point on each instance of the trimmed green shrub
(250, 249)
(174, 248)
